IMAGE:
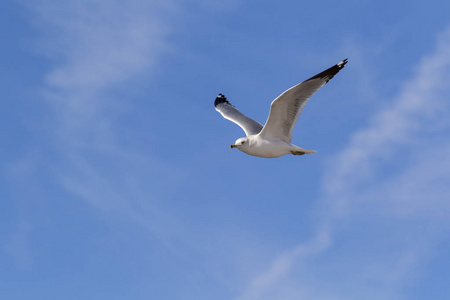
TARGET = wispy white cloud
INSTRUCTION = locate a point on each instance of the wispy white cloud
(282, 265)
(397, 130)
(393, 170)
(95, 46)
(95, 49)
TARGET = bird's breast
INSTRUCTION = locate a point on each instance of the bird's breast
(267, 149)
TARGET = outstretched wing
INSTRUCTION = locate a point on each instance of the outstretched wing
(231, 113)
(286, 108)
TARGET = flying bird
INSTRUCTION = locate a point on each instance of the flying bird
(274, 139)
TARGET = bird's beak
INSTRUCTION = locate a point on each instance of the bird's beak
(233, 146)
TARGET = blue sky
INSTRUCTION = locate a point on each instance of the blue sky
(117, 181)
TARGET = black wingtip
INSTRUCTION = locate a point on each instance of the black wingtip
(220, 99)
(342, 63)
(330, 72)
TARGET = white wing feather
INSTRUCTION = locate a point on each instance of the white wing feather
(231, 113)
(286, 108)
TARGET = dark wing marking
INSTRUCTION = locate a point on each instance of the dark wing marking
(231, 113)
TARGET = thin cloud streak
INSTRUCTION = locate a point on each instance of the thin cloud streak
(96, 47)
(395, 129)
(283, 265)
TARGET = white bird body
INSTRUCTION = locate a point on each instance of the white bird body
(269, 148)
(274, 138)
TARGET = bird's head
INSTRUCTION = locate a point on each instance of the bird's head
(241, 143)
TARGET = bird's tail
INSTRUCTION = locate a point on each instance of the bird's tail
(309, 151)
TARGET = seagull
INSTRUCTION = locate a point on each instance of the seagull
(274, 138)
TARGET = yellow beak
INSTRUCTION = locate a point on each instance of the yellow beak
(233, 146)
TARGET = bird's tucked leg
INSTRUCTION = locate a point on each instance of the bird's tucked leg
(298, 152)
